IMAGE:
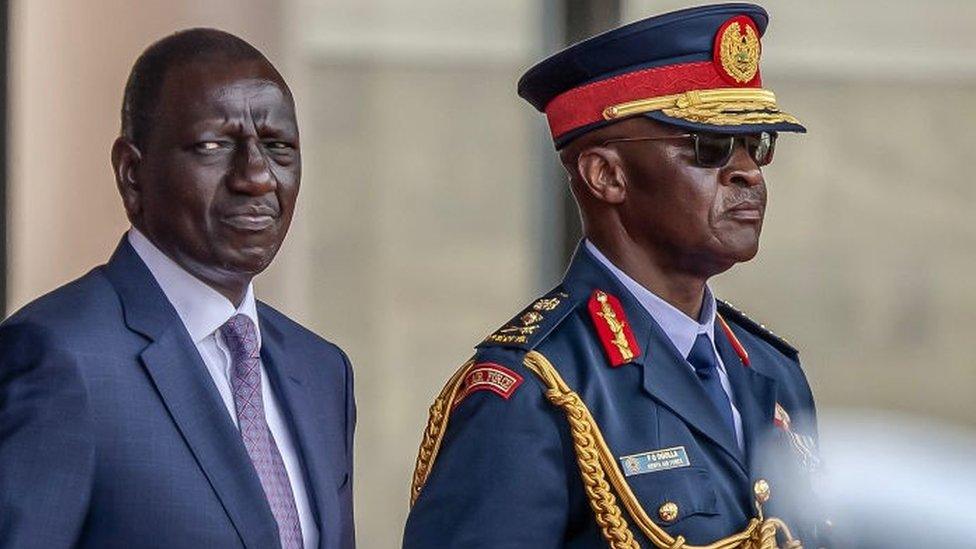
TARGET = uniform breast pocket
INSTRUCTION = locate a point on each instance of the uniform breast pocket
(671, 497)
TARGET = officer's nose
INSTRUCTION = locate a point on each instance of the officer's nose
(252, 170)
(742, 169)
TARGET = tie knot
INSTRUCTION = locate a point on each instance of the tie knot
(241, 337)
(702, 355)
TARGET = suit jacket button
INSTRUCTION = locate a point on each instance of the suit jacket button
(668, 511)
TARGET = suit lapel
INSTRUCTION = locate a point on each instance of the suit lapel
(190, 396)
(667, 377)
(755, 394)
(311, 431)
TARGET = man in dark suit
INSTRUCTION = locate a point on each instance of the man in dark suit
(628, 407)
(153, 402)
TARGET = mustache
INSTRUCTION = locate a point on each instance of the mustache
(745, 197)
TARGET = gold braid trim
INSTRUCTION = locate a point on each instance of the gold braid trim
(732, 114)
(597, 465)
(717, 107)
(440, 414)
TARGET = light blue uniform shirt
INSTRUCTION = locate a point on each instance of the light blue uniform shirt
(680, 328)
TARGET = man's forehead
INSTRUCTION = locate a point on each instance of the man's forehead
(201, 96)
(215, 81)
(256, 91)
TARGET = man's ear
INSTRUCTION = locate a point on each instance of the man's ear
(125, 163)
(601, 170)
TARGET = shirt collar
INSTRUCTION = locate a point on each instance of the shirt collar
(201, 308)
(679, 327)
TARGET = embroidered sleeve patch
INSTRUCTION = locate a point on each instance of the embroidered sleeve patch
(488, 376)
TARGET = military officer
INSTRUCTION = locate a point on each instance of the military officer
(628, 406)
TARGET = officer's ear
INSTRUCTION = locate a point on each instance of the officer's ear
(601, 171)
(126, 157)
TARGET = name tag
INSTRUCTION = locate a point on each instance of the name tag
(652, 462)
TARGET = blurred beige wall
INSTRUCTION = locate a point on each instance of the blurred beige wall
(427, 215)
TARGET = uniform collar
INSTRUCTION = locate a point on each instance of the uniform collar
(679, 327)
(201, 308)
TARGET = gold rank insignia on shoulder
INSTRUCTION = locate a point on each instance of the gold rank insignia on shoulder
(613, 328)
(520, 329)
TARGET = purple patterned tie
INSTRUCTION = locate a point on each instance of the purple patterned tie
(242, 341)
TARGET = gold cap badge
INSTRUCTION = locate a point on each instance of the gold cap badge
(737, 50)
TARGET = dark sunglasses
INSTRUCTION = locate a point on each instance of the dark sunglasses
(713, 150)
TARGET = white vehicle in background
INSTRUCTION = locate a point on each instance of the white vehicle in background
(896, 481)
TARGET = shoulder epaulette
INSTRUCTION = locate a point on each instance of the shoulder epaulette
(738, 317)
(533, 324)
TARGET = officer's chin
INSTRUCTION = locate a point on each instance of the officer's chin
(729, 256)
(747, 254)
(739, 245)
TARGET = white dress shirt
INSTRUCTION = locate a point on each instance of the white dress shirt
(680, 328)
(203, 311)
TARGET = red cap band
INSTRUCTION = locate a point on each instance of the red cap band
(584, 105)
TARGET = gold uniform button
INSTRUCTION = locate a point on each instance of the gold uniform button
(762, 491)
(668, 512)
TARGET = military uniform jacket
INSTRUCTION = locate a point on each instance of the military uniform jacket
(504, 472)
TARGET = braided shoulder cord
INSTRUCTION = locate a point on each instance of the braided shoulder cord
(612, 524)
(437, 420)
(596, 463)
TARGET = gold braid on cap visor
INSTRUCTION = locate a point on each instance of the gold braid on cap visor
(717, 107)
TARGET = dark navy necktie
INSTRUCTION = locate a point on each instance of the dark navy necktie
(702, 358)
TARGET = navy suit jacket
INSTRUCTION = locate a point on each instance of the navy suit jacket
(113, 434)
(506, 475)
